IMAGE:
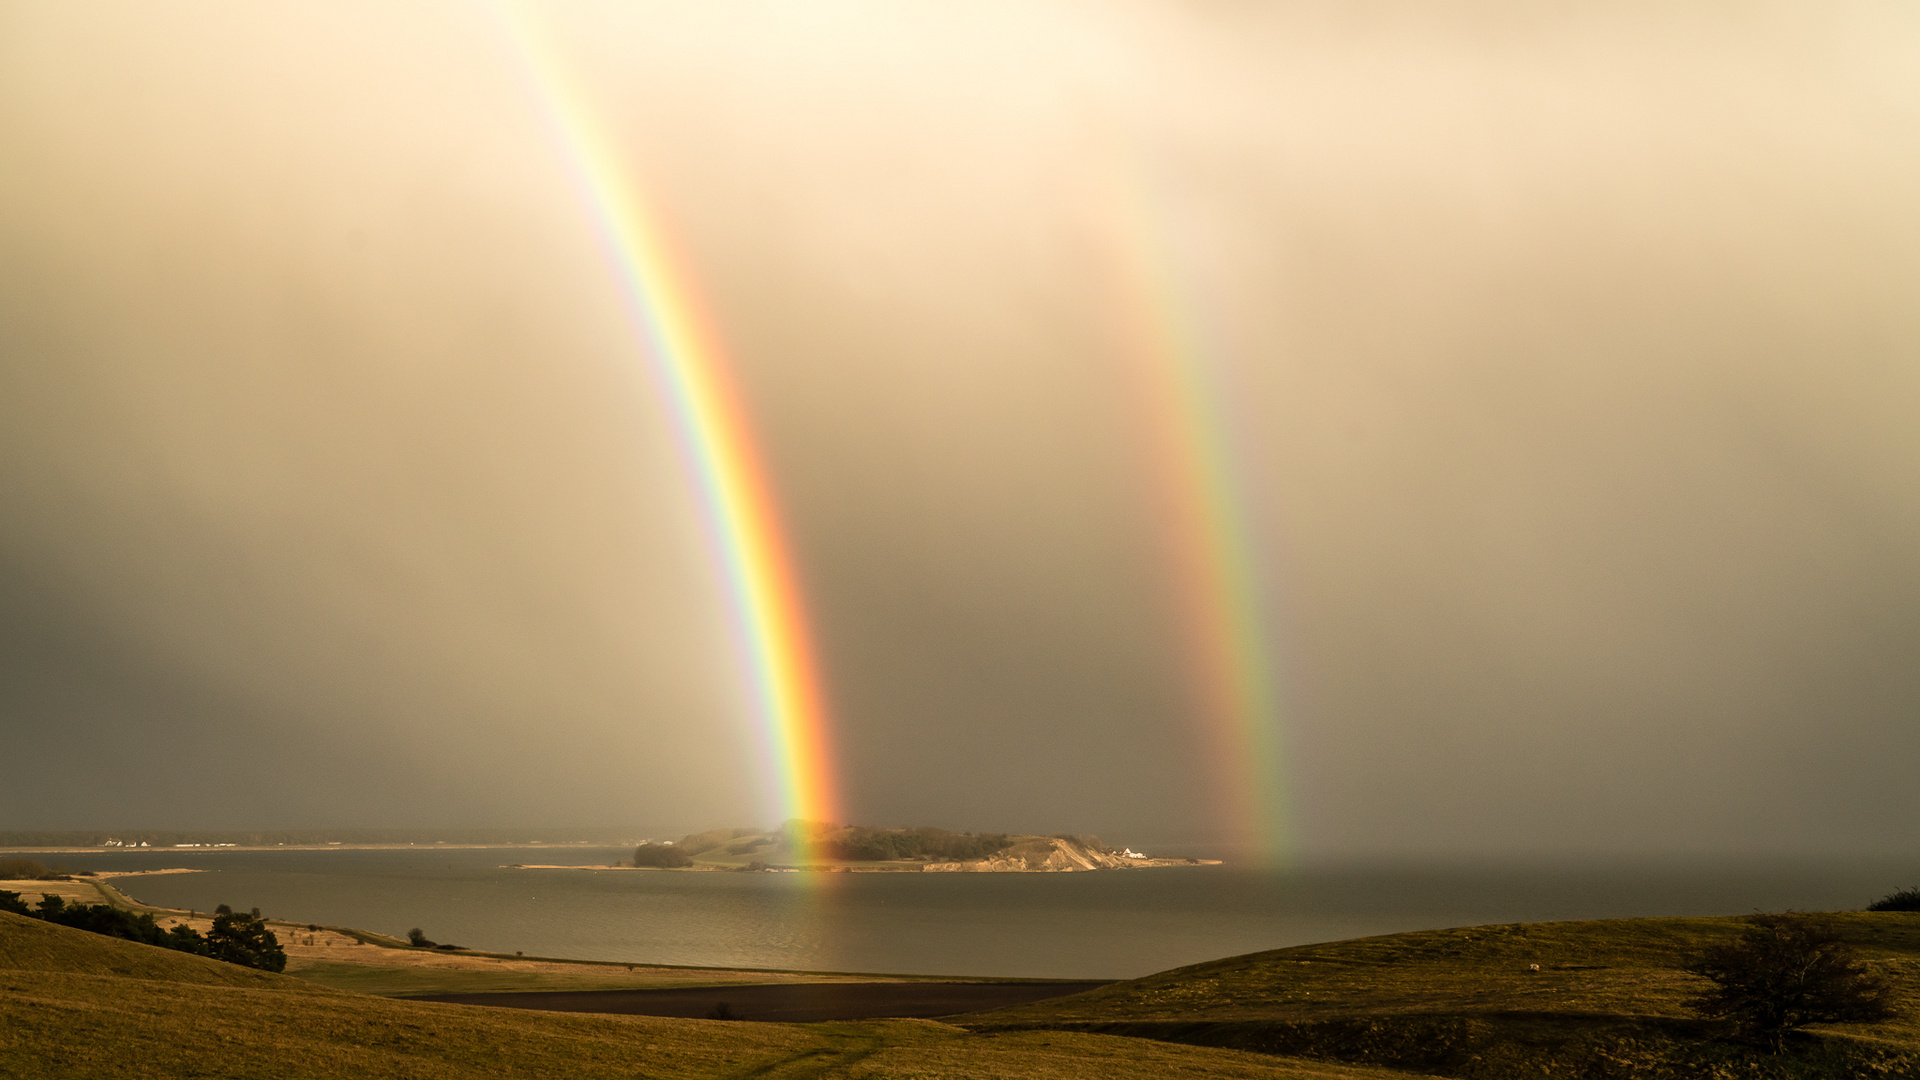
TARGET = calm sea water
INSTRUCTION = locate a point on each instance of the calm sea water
(1116, 924)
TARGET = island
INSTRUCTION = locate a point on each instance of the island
(827, 847)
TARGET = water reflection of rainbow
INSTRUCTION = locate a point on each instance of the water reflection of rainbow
(1202, 498)
(741, 518)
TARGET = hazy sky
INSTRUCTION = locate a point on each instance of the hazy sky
(1570, 352)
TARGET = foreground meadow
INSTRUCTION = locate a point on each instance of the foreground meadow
(74, 1004)
(1602, 999)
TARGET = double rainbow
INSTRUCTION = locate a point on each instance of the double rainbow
(741, 519)
(1222, 596)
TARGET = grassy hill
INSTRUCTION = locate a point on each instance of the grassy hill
(74, 1004)
(1608, 1000)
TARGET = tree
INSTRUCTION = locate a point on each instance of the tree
(10, 901)
(245, 940)
(1785, 972)
(418, 939)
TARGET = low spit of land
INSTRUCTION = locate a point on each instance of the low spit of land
(1600, 999)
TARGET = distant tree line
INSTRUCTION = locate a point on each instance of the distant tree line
(857, 844)
(236, 937)
(14, 868)
(850, 843)
(15, 839)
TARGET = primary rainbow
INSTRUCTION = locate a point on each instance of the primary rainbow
(742, 520)
(1218, 578)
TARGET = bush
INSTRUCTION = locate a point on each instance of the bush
(1903, 900)
(418, 939)
(666, 856)
(1785, 972)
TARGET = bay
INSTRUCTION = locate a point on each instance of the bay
(1109, 925)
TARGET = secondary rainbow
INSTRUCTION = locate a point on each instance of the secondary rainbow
(741, 518)
(1218, 579)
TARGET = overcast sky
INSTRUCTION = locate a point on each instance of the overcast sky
(1571, 357)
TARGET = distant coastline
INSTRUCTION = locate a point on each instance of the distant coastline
(177, 849)
(270, 839)
(823, 847)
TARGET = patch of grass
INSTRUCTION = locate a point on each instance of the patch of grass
(77, 891)
(421, 981)
(89, 1026)
(936, 1050)
(1610, 997)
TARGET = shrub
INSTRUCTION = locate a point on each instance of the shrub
(661, 855)
(1785, 972)
(418, 939)
(1903, 900)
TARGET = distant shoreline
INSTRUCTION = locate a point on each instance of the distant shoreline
(198, 848)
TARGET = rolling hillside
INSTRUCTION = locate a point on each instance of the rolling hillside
(74, 1004)
(1609, 999)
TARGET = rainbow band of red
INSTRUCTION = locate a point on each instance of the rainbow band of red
(741, 517)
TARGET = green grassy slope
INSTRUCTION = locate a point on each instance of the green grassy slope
(31, 945)
(1609, 999)
(74, 1004)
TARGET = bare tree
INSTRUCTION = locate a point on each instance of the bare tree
(1785, 972)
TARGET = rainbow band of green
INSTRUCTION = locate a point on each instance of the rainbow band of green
(716, 440)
